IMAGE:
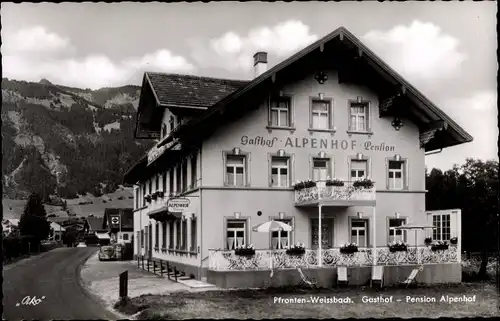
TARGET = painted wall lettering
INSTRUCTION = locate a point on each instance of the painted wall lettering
(322, 143)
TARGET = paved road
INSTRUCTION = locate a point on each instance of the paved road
(55, 276)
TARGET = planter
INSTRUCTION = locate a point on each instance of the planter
(366, 183)
(296, 252)
(154, 196)
(348, 250)
(439, 247)
(244, 252)
(334, 183)
(454, 241)
(302, 185)
(160, 194)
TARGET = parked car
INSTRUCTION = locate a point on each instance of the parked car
(107, 253)
(81, 244)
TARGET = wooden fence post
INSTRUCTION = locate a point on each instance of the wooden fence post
(123, 285)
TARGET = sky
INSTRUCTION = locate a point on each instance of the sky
(447, 50)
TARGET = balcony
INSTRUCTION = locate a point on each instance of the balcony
(349, 194)
(225, 260)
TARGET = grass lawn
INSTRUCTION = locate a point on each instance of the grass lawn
(257, 304)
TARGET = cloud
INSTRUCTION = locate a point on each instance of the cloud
(234, 52)
(30, 62)
(477, 114)
(421, 51)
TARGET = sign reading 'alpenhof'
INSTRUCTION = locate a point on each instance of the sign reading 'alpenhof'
(178, 205)
(307, 142)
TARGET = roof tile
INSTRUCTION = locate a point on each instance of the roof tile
(189, 90)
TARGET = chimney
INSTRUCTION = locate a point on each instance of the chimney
(260, 63)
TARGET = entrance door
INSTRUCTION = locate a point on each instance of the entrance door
(326, 233)
(150, 242)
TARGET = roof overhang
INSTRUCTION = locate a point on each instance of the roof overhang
(144, 168)
(422, 109)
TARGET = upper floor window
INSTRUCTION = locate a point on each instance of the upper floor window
(320, 114)
(280, 173)
(164, 182)
(184, 176)
(157, 183)
(178, 177)
(171, 123)
(150, 186)
(194, 163)
(137, 198)
(143, 194)
(359, 169)
(280, 113)
(358, 117)
(442, 228)
(396, 174)
(321, 169)
(235, 170)
(171, 180)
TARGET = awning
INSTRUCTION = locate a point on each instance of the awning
(102, 236)
(162, 214)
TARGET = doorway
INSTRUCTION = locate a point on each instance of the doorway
(326, 233)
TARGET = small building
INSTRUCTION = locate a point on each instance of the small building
(96, 227)
(331, 141)
(57, 231)
(119, 223)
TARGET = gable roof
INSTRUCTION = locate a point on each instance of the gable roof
(345, 36)
(174, 90)
(127, 216)
(96, 223)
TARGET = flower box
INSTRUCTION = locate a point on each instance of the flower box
(364, 183)
(428, 240)
(454, 240)
(349, 248)
(306, 184)
(296, 250)
(244, 250)
(334, 182)
(439, 246)
(398, 247)
(147, 198)
(160, 193)
(154, 195)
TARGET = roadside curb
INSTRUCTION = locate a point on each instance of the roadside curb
(94, 296)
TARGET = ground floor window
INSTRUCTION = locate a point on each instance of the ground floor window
(125, 237)
(326, 233)
(281, 239)
(193, 236)
(235, 233)
(142, 238)
(441, 223)
(164, 235)
(359, 233)
(179, 231)
(157, 234)
(171, 235)
(184, 235)
(394, 234)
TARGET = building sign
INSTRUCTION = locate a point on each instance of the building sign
(178, 205)
(155, 152)
(115, 220)
(308, 142)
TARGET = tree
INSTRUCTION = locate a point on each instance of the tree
(33, 222)
(472, 187)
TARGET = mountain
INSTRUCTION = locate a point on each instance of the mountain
(65, 141)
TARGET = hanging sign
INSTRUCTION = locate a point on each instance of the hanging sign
(178, 205)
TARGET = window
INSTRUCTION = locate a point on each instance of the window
(281, 239)
(171, 123)
(142, 238)
(143, 194)
(235, 170)
(163, 130)
(280, 172)
(320, 169)
(150, 186)
(396, 174)
(184, 235)
(358, 117)
(441, 231)
(157, 187)
(194, 162)
(179, 179)
(320, 114)
(358, 169)
(179, 232)
(193, 236)
(358, 232)
(396, 235)
(171, 235)
(184, 176)
(125, 237)
(164, 182)
(280, 113)
(235, 234)
(157, 234)
(137, 198)
(171, 178)
(164, 235)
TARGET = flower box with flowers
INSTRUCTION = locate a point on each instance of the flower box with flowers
(296, 250)
(428, 241)
(440, 245)
(243, 250)
(454, 240)
(334, 182)
(398, 247)
(154, 195)
(147, 198)
(364, 183)
(349, 248)
(305, 184)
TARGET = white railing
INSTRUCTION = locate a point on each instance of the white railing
(225, 260)
(340, 193)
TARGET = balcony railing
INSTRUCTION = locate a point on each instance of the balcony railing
(348, 192)
(225, 260)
